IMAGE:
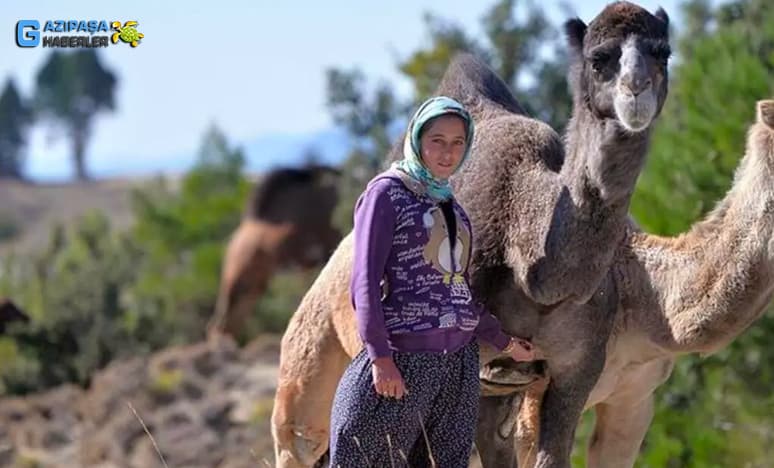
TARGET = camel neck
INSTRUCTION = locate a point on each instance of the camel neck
(603, 158)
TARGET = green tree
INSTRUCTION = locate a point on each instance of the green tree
(699, 19)
(547, 97)
(700, 136)
(73, 291)
(15, 118)
(515, 35)
(425, 67)
(183, 231)
(368, 117)
(72, 88)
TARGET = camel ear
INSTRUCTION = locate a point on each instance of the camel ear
(662, 15)
(575, 29)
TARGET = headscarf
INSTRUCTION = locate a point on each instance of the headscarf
(412, 164)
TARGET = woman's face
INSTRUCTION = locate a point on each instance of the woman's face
(442, 145)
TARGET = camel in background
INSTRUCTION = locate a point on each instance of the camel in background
(286, 223)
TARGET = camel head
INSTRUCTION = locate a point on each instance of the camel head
(619, 68)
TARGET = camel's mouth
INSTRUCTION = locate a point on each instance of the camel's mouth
(490, 388)
(636, 112)
(504, 376)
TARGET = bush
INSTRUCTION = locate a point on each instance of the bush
(95, 294)
(9, 228)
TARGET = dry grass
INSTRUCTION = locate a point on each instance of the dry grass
(264, 462)
(150, 436)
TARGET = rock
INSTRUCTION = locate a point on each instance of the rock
(206, 405)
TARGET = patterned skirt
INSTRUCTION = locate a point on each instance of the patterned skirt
(437, 418)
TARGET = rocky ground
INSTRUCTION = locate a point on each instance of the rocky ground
(206, 405)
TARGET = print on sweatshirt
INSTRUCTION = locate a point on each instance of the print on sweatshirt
(426, 283)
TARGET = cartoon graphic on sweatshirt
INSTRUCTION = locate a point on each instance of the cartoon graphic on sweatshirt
(438, 251)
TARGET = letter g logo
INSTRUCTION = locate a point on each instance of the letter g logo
(27, 33)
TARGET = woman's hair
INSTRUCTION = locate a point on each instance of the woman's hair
(430, 123)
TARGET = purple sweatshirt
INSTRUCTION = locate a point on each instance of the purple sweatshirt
(409, 291)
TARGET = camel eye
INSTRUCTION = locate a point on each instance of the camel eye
(599, 61)
(602, 58)
(660, 50)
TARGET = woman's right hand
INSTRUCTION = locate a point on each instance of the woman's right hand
(387, 379)
(522, 350)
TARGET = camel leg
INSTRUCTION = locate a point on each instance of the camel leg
(563, 403)
(528, 424)
(309, 374)
(237, 298)
(618, 433)
(507, 432)
(232, 319)
(250, 260)
(495, 430)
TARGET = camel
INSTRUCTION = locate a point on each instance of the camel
(549, 219)
(693, 293)
(287, 222)
(10, 313)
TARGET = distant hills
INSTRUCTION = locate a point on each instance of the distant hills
(261, 153)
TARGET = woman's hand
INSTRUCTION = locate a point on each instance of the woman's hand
(522, 350)
(387, 379)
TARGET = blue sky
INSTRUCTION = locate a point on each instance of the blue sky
(254, 68)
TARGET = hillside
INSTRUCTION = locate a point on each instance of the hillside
(34, 208)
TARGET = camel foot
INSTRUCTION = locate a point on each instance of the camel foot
(299, 447)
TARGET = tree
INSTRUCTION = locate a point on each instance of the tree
(73, 290)
(15, 118)
(183, 232)
(700, 137)
(548, 96)
(71, 89)
(699, 17)
(515, 45)
(425, 67)
(368, 117)
(512, 47)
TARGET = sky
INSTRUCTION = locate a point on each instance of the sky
(254, 68)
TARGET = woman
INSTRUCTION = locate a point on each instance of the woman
(413, 391)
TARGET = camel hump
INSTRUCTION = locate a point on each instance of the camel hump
(269, 190)
(766, 112)
(468, 79)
